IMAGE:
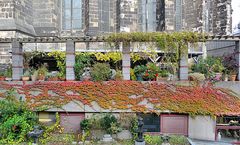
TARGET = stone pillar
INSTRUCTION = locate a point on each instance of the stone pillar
(238, 58)
(70, 60)
(183, 67)
(17, 60)
(126, 61)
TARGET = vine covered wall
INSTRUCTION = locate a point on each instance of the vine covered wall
(129, 95)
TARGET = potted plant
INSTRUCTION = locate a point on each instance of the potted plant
(52, 77)
(61, 76)
(217, 68)
(233, 75)
(26, 76)
(225, 74)
(8, 74)
(119, 75)
(230, 63)
(42, 72)
(2, 76)
(163, 75)
(139, 70)
(99, 72)
(34, 74)
(152, 72)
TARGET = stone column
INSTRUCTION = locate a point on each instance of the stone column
(238, 58)
(183, 67)
(126, 61)
(70, 60)
(17, 60)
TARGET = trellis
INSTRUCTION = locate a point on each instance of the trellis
(17, 53)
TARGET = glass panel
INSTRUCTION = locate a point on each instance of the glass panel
(77, 24)
(151, 122)
(66, 25)
(76, 14)
(77, 3)
(67, 14)
(67, 4)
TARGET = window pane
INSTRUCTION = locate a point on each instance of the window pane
(76, 14)
(67, 14)
(77, 24)
(66, 25)
(77, 3)
(67, 4)
(151, 122)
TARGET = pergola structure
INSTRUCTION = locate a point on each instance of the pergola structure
(17, 53)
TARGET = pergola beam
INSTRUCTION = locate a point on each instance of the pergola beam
(98, 39)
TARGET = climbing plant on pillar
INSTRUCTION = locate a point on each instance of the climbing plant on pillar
(171, 43)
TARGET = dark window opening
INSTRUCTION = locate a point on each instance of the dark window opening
(151, 122)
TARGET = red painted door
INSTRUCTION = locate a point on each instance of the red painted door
(174, 124)
(71, 122)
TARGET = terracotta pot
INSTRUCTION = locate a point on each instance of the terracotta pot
(2, 78)
(53, 79)
(62, 79)
(233, 77)
(162, 79)
(25, 78)
(41, 77)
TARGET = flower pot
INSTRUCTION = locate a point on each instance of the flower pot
(139, 78)
(162, 79)
(25, 78)
(233, 77)
(218, 76)
(41, 77)
(53, 79)
(8, 79)
(2, 78)
(33, 77)
(62, 78)
(225, 78)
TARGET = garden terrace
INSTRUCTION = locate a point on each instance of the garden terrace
(126, 96)
(177, 43)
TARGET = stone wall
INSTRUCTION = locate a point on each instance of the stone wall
(192, 15)
(215, 48)
(17, 15)
(202, 127)
(170, 15)
(47, 17)
(129, 15)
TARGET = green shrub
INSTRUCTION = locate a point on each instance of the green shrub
(110, 124)
(85, 124)
(134, 128)
(153, 139)
(208, 66)
(164, 73)
(101, 72)
(196, 77)
(140, 70)
(16, 120)
(178, 140)
(82, 60)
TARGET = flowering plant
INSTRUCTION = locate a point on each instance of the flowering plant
(230, 63)
(152, 71)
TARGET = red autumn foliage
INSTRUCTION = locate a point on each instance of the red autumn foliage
(160, 97)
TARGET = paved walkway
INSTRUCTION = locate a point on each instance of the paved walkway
(200, 142)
